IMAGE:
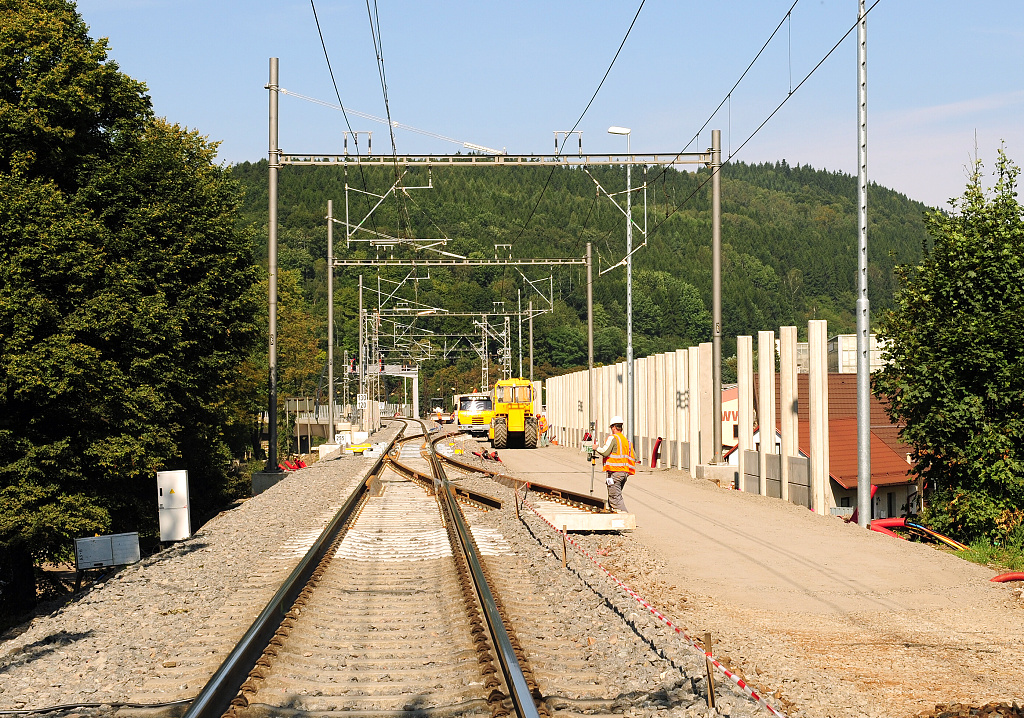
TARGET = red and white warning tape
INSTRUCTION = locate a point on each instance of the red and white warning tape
(661, 617)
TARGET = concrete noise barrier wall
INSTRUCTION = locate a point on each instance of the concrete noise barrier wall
(674, 401)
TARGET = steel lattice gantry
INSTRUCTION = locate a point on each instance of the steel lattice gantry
(497, 161)
(278, 158)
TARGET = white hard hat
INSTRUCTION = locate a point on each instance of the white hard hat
(615, 420)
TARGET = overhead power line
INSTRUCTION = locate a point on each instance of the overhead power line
(331, 71)
(767, 119)
(732, 89)
(397, 125)
(337, 93)
(580, 119)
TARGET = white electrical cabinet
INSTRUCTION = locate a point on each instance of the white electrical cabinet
(172, 500)
(100, 551)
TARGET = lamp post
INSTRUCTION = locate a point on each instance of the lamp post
(629, 288)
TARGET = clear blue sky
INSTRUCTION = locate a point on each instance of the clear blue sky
(942, 75)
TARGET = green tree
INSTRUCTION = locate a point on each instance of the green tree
(956, 342)
(126, 300)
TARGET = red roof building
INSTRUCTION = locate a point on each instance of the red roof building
(890, 467)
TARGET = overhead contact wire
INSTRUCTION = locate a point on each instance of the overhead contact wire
(378, 49)
(337, 92)
(761, 126)
(582, 115)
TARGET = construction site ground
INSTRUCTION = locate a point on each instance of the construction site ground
(826, 617)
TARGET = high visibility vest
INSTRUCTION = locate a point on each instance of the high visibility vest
(543, 425)
(622, 457)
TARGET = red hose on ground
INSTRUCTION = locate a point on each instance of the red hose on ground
(882, 530)
(1004, 577)
(654, 453)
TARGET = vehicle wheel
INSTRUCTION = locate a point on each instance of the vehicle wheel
(530, 433)
(500, 440)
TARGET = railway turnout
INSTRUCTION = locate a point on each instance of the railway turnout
(380, 588)
(390, 628)
(395, 617)
(414, 602)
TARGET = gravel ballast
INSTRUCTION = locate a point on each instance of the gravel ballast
(133, 626)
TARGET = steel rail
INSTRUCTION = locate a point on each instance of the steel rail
(515, 681)
(484, 501)
(586, 501)
(216, 697)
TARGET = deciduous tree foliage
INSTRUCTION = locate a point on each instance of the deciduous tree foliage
(126, 294)
(956, 341)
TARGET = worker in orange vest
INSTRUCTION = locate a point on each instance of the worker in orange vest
(542, 425)
(619, 463)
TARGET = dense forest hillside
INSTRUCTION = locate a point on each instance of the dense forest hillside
(789, 250)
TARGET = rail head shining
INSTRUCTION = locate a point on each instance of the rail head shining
(215, 698)
(512, 671)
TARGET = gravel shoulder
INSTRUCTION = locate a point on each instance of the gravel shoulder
(144, 624)
(830, 619)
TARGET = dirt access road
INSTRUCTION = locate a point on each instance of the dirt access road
(831, 619)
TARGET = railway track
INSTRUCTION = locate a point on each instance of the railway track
(393, 618)
(412, 605)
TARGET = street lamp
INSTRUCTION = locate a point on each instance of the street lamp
(629, 287)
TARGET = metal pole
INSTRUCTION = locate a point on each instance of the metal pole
(863, 309)
(716, 293)
(531, 340)
(362, 355)
(275, 164)
(330, 321)
(590, 358)
(519, 293)
(507, 352)
(485, 381)
(629, 303)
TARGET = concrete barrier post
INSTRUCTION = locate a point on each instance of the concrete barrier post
(745, 400)
(693, 383)
(682, 403)
(648, 412)
(817, 345)
(554, 406)
(707, 404)
(766, 404)
(620, 399)
(577, 405)
(789, 402)
(642, 407)
(668, 395)
(653, 394)
(580, 386)
(653, 428)
(602, 408)
(560, 393)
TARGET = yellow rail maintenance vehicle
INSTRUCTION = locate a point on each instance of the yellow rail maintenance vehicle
(513, 423)
(474, 413)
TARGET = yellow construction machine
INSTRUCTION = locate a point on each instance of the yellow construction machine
(513, 423)
(474, 414)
